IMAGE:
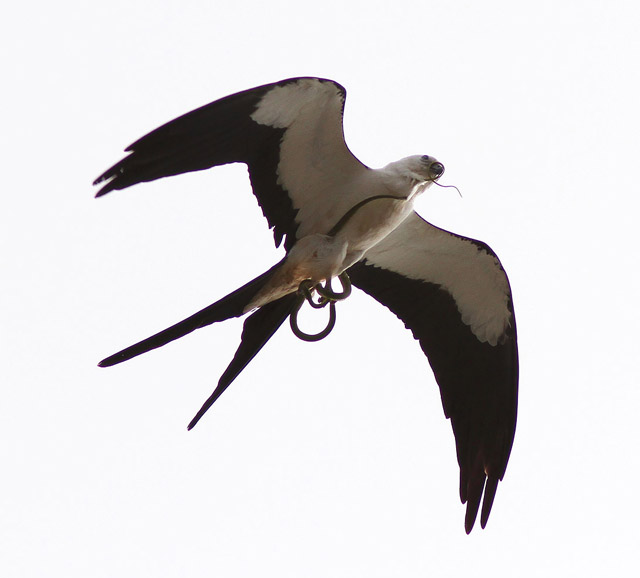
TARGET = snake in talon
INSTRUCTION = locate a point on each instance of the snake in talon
(327, 297)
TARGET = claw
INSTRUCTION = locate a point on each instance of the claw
(306, 289)
(330, 295)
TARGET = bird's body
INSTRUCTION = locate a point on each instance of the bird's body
(322, 256)
(338, 217)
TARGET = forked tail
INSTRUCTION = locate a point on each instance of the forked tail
(258, 328)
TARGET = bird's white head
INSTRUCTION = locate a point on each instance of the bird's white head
(414, 173)
(420, 168)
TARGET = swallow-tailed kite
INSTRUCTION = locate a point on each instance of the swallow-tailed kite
(339, 218)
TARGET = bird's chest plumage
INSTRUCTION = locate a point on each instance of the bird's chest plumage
(321, 257)
(372, 221)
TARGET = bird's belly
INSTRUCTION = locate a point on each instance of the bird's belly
(316, 257)
(370, 224)
(321, 257)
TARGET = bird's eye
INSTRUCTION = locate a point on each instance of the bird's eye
(425, 158)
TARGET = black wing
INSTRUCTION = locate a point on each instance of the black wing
(289, 133)
(453, 294)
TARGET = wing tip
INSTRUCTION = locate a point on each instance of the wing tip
(471, 514)
(108, 179)
(487, 502)
(102, 192)
(480, 490)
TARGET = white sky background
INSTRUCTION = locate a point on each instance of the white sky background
(330, 459)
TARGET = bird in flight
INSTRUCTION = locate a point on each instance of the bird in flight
(341, 219)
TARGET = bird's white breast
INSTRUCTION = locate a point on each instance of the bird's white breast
(370, 224)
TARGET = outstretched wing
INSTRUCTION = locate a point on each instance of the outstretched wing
(290, 135)
(454, 295)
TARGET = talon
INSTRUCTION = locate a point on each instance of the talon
(306, 290)
(329, 294)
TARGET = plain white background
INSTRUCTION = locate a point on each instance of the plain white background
(330, 459)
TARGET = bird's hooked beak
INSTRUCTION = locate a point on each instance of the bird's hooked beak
(436, 170)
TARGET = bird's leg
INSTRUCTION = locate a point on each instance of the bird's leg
(329, 294)
(306, 289)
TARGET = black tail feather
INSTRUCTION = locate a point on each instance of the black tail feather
(230, 306)
(258, 329)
